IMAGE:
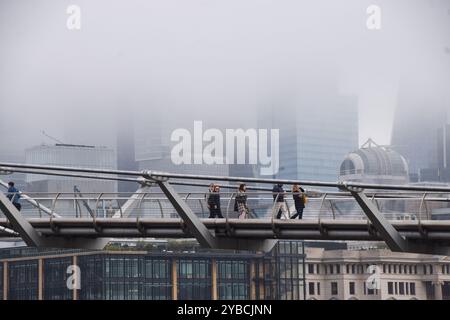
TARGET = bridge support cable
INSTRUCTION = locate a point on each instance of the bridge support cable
(8, 231)
(389, 234)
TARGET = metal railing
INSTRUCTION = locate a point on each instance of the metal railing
(425, 206)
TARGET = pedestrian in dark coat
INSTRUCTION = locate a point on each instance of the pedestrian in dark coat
(299, 200)
(214, 203)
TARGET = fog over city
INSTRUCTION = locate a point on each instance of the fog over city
(211, 60)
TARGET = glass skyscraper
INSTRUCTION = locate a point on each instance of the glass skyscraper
(315, 134)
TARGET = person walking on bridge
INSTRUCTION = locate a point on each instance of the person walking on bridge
(214, 203)
(279, 204)
(14, 195)
(209, 199)
(298, 194)
(240, 204)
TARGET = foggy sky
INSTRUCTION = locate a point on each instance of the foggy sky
(208, 59)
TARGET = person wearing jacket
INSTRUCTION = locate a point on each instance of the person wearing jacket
(299, 201)
(241, 202)
(214, 203)
(209, 199)
(13, 195)
(279, 205)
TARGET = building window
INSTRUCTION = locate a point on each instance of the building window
(415, 269)
(351, 288)
(194, 279)
(318, 288)
(368, 291)
(401, 287)
(396, 287)
(232, 279)
(338, 269)
(353, 269)
(310, 268)
(334, 288)
(347, 267)
(384, 268)
(311, 288)
(331, 269)
(424, 269)
(389, 268)
(55, 286)
(390, 287)
(410, 269)
(23, 280)
(412, 288)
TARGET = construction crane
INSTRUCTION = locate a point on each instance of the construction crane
(52, 138)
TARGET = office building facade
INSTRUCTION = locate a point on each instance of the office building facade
(157, 274)
(375, 275)
(315, 135)
(78, 156)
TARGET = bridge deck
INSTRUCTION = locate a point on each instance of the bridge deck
(310, 229)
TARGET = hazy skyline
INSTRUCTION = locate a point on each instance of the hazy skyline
(216, 60)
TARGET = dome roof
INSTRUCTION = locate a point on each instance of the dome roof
(375, 161)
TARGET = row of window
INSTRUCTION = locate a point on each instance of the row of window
(314, 289)
(402, 288)
(361, 269)
(394, 288)
(119, 277)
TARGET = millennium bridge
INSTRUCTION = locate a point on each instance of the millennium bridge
(400, 215)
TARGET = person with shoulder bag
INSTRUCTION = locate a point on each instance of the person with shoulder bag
(298, 194)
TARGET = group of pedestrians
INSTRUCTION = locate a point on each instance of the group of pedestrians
(241, 207)
(213, 201)
(280, 208)
(240, 202)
